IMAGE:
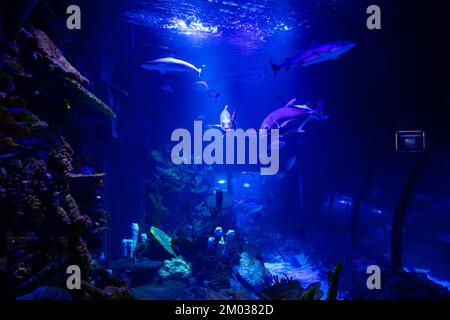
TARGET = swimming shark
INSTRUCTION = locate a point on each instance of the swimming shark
(204, 87)
(164, 65)
(317, 53)
(280, 118)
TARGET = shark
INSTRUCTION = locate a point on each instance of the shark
(280, 118)
(204, 87)
(316, 53)
(164, 65)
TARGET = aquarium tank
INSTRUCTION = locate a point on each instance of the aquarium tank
(252, 150)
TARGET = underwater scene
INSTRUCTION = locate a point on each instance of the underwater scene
(224, 150)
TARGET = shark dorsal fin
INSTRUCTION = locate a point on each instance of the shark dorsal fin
(290, 103)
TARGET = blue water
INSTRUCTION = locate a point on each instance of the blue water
(307, 209)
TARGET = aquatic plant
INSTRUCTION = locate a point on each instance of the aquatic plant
(333, 279)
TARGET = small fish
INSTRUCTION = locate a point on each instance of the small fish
(227, 121)
(317, 53)
(204, 87)
(164, 65)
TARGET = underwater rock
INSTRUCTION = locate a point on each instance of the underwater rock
(47, 293)
(136, 272)
(168, 290)
(158, 210)
(312, 292)
(175, 269)
(14, 66)
(53, 56)
(6, 84)
(287, 288)
(253, 272)
(130, 266)
(163, 239)
(107, 293)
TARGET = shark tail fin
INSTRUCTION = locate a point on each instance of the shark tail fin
(319, 111)
(275, 68)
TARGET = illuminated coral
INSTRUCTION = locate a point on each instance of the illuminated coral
(176, 269)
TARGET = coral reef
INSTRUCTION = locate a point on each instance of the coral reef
(289, 289)
(47, 293)
(175, 269)
(50, 214)
(53, 58)
(253, 272)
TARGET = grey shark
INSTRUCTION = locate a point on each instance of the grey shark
(164, 65)
(317, 53)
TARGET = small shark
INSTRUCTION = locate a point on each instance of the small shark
(280, 118)
(204, 87)
(226, 120)
(317, 53)
(164, 65)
